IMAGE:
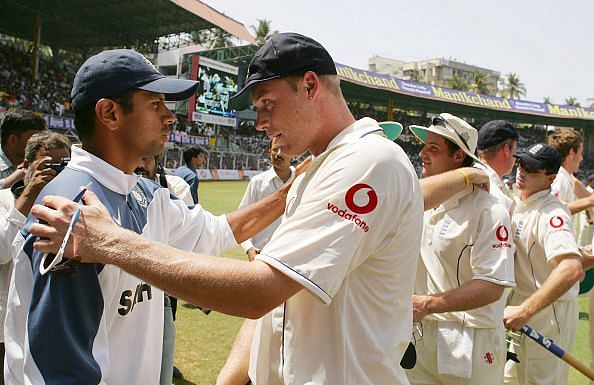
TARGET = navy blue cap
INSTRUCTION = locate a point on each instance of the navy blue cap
(541, 156)
(591, 178)
(113, 71)
(495, 132)
(283, 54)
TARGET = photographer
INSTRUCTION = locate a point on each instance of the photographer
(45, 153)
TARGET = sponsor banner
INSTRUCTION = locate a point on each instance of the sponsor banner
(204, 174)
(387, 82)
(228, 174)
(183, 138)
(250, 173)
(213, 119)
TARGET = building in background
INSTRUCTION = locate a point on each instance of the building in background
(437, 72)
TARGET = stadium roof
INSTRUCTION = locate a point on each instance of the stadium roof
(82, 24)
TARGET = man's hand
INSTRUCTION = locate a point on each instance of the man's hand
(515, 317)
(40, 176)
(94, 229)
(252, 252)
(17, 175)
(477, 177)
(419, 305)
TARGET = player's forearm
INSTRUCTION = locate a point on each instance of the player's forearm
(567, 273)
(471, 295)
(439, 188)
(580, 204)
(248, 221)
(234, 287)
(235, 370)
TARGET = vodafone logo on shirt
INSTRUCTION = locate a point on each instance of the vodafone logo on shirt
(502, 235)
(556, 222)
(356, 204)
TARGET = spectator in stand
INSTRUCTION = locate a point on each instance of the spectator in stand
(16, 129)
(261, 186)
(194, 159)
(16, 203)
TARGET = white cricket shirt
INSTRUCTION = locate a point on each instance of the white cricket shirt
(350, 235)
(467, 237)
(542, 231)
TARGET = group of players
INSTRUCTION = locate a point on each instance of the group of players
(363, 250)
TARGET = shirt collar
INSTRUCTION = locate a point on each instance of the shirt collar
(536, 196)
(5, 163)
(565, 173)
(354, 132)
(106, 174)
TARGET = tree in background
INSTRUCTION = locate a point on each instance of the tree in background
(416, 76)
(513, 87)
(458, 83)
(572, 101)
(480, 83)
(547, 100)
(212, 38)
(263, 31)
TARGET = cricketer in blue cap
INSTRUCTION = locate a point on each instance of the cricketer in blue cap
(95, 312)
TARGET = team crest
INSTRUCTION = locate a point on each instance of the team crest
(138, 194)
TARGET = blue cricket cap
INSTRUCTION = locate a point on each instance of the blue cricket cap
(113, 71)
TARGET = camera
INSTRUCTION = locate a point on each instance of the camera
(58, 166)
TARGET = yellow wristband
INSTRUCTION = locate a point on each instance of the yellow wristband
(466, 177)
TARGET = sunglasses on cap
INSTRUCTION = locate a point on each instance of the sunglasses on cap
(438, 120)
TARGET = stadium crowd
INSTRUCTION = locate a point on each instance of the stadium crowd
(462, 244)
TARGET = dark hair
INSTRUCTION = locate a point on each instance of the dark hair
(84, 119)
(192, 152)
(48, 140)
(17, 122)
(453, 147)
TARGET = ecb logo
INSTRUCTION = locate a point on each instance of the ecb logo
(356, 208)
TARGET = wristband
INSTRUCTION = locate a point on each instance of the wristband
(466, 177)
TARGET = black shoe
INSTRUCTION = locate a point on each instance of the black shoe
(177, 374)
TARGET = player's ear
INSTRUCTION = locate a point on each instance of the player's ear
(312, 84)
(106, 112)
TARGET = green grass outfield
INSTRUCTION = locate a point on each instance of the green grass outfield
(203, 341)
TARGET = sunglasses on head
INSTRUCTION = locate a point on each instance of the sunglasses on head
(438, 120)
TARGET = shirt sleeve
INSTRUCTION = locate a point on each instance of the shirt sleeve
(249, 197)
(492, 254)
(11, 220)
(180, 189)
(188, 228)
(329, 218)
(556, 233)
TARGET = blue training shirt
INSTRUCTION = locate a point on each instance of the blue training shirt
(103, 325)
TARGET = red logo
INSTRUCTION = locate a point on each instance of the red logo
(489, 358)
(350, 202)
(502, 233)
(556, 222)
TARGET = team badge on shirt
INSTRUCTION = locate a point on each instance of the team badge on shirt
(138, 194)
